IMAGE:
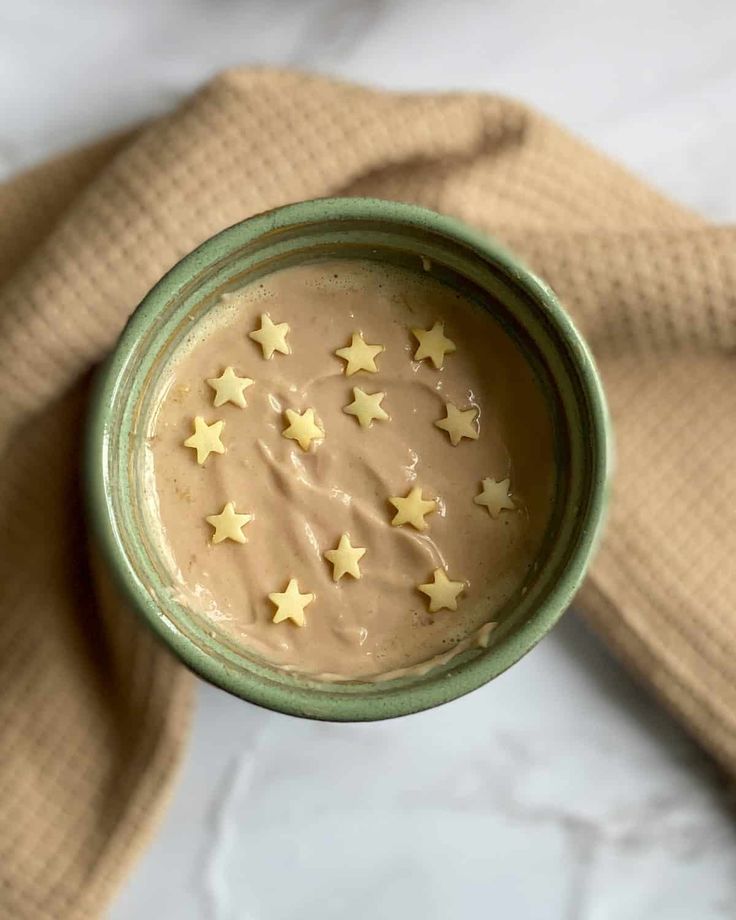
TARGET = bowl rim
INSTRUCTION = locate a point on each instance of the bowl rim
(289, 699)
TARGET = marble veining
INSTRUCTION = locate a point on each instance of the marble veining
(215, 891)
(604, 810)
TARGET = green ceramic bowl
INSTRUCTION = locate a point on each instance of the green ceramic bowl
(351, 228)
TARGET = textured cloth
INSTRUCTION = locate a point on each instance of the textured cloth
(93, 712)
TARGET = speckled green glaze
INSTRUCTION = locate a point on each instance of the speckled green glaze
(352, 228)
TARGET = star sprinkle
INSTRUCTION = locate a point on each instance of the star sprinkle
(271, 337)
(229, 524)
(345, 558)
(442, 592)
(412, 509)
(303, 428)
(495, 496)
(290, 604)
(206, 439)
(229, 387)
(359, 355)
(366, 407)
(459, 424)
(433, 344)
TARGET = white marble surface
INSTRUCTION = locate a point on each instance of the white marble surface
(559, 792)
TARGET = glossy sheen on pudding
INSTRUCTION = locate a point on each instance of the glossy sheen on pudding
(302, 502)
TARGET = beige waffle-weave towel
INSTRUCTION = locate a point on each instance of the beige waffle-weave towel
(93, 714)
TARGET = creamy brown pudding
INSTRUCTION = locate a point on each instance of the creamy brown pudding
(351, 469)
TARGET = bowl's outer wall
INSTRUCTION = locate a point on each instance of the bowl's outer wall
(353, 226)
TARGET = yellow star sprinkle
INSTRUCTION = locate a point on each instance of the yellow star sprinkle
(206, 439)
(229, 524)
(366, 407)
(271, 336)
(290, 604)
(412, 509)
(359, 355)
(229, 387)
(345, 558)
(433, 344)
(442, 592)
(495, 496)
(303, 428)
(459, 424)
